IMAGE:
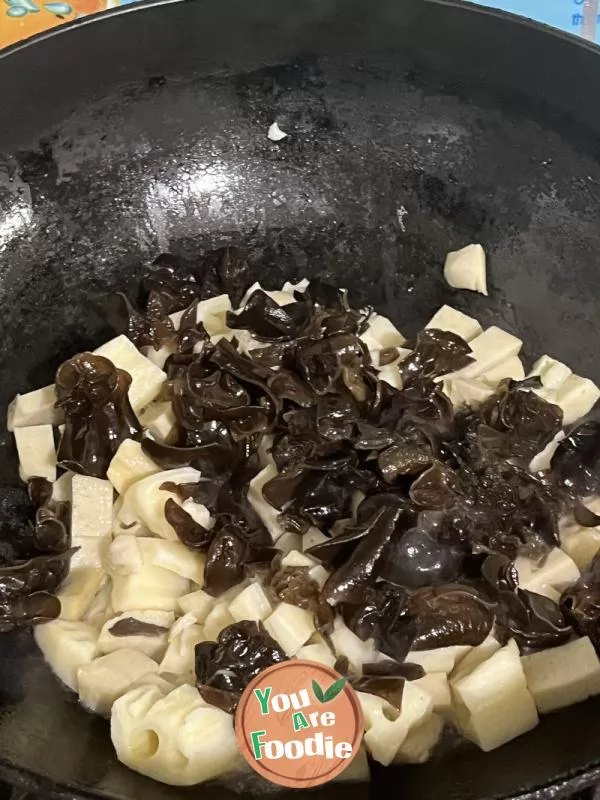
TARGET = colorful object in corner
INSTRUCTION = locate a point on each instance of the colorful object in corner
(580, 17)
(20, 8)
(20, 19)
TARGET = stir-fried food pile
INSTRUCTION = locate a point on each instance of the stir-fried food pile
(250, 476)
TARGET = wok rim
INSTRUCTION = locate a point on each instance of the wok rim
(141, 5)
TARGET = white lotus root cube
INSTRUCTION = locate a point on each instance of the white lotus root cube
(125, 521)
(490, 349)
(418, 745)
(436, 685)
(348, 644)
(152, 588)
(62, 491)
(215, 307)
(227, 597)
(153, 679)
(175, 738)
(180, 624)
(465, 269)
(92, 507)
(159, 420)
(511, 368)
(251, 603)
(37, 454)
(454, 321)
(153, 646)
(543, 460)
(289, 541)
(100, 608)
(266, 512)
(100, 682)
(128, 465)
(554, 574)
(179, 657)
(297, 559)
(384, 332)
(467, 392)
(159, 357)
(264, 450)
(198, 603)
(391, 375)
(291, 626)
(124, 555)
(386, 733)
(34, 408)
(217, 619)
(372, 344)
(312, 537)
(385, 730)
(146, 378)
(93, 552)
(562, 676)
(576, 396)
(492, 704)
(319, 575)
(551, 372)
(78, 590)
(580, 543)
(174, 556)
(317, 652)
(281, 297)
(301, 286)
(440, 659)
(145, 500)
(476, 656)
(66, 647)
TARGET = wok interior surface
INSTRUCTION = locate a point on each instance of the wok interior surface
(415, 128)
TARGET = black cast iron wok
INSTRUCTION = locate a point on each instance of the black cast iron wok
(415, 127)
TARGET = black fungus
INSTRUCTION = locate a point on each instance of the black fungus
(580, 604)
(523, 422)
(382, 614)
(227, 554)
(435, 353)
(189, 532)
(576, 461)
(418, 559)
(37, 559)
(51, 533)
(130, 626)
(27, 589)
(423, 509)
(267, 320)
(225, 667)
(295, 586)
(436, 488)
(364, 565)
(32, 609)
(534, 621)
(450, 615)
(386, 679)
(92, 392)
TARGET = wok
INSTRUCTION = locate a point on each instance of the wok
(415, 128)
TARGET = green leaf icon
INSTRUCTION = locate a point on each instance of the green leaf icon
(330, 693)
(335, 688)
(318, 692)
